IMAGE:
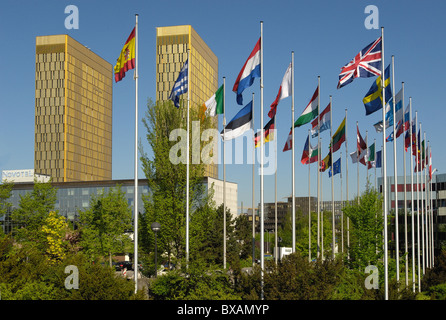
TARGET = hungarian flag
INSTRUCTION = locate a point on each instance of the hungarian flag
(310, 112)
(338, 137)
(214, 105)
(268, 132)
(310, 154)
(126, 60)
(284, 91)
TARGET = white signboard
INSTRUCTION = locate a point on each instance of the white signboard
(24, 175)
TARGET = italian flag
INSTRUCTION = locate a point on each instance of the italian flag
(310, 112)
(215, 103)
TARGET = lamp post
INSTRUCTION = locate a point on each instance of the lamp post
(155, 226)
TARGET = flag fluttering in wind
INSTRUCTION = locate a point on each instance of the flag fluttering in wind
(367, 63)
(241, 122)
(180, 86)
(309, 154)
(214, 105)
(336, 168)
(326, 163)
(373, 98)
(250, 71)
(324, 118)
(338, 137)
(268, 132)
(310, 111)
(126, 60)
(371, 162)
(361, 147)
(284, 91)
(288, 143)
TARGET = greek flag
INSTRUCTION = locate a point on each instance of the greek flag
(180, 86)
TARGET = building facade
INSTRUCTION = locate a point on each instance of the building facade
(172, 43)
(73, 111)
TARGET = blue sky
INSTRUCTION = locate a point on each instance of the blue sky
(324, 35)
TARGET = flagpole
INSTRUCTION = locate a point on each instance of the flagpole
(357, 163)
(224, 173)
(418, 202)
(346, 183)
(135, 202)
(412, 194)
(342, 207)
(253, 188)
(293, 191)
(319, 165)
(275, 192)
(395, 177)
(420, 170)
(332, 181)
(309, 201)
(374, 142)
(425, 203)
(322, 214)
(262, 236)
(384, 167)
(406, 253)
(187, 157)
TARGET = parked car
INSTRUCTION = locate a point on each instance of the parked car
(120, 265)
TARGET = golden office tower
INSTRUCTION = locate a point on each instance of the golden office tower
(73, 114)
(171, 53)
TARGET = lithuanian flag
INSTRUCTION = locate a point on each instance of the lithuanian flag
(339, 136)
(126, 60)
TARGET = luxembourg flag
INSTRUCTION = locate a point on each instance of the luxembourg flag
(250, 71)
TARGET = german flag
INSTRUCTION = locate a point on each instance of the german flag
(126, 60)
(268, 131)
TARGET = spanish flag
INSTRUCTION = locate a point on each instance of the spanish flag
(126, 60)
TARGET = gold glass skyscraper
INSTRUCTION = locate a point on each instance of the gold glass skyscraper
(172, 44)
(73, 111)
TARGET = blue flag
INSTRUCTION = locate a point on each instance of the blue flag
(373, 98)
(336, 166)
(378, 159)
(180, 86)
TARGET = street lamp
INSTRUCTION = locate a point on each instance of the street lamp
(155, 226)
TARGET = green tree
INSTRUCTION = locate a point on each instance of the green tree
(5, 194)
(366, 227)
(104, 225)
(34, 208)
(166, 200)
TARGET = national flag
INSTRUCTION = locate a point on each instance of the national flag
(378, 159)
(367, 63)
(324, 118)
(390, 137)
(389, 114)
(373, 98)
(326, 163)
(430, 165)
(406, 118)
(371, 163)
(214, 105)
(336, 167)
(241, 122)
(284, 91)
(310, 111)
(338, 137)
(180, 86)
(126, 60)
(309, 154)
(289, 140)
(407, 137)
(268, 132)
(250, 71)
(361, 147)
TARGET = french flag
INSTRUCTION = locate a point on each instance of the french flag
(250, 71)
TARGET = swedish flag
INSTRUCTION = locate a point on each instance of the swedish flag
(373, 98)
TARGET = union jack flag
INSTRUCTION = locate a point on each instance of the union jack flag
(367, 63)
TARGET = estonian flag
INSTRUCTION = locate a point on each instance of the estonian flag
(239, 124)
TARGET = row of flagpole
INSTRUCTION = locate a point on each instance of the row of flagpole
(426, 238)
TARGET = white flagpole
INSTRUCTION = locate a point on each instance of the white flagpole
(262, 236)
(412, 194)
(420, 172)
(224, 173)
(374, 142)
(322, 214)
(318, 166)
(135, 194)
(332, 181)
(418, 203)
(187, 157)
(357, 163)
(253, 189)
(309, 202)
(423, 201)
(342, 207)
(426, 215)
(293, 191)
(346, 184)
(384, 167)
(275, 193)
(395, 178)
(405, 196)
